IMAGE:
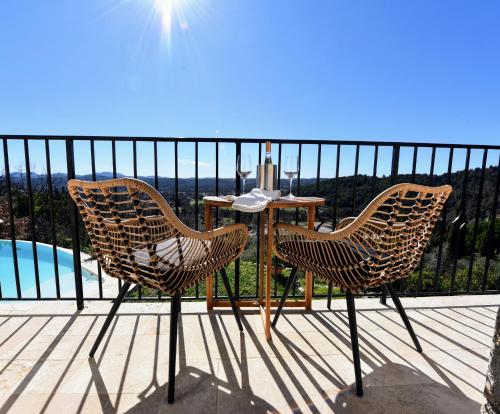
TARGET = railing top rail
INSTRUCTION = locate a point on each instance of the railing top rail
(250, 140)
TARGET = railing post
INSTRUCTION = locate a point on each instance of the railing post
(394, 173)
(75, 236)
(238, 218)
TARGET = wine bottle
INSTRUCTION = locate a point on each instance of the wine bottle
(268, 159)
(269, 173)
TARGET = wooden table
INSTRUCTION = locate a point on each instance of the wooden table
(264, 301)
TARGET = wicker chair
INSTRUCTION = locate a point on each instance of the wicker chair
(383, 244)
(137, 238)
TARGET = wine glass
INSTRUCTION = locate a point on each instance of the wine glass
(244, 168)
(291, 169)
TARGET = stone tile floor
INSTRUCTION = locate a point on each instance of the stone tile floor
(44, 365)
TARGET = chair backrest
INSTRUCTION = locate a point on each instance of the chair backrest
(394, 229)
(122, 216)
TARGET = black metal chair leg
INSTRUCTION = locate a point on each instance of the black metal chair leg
(118, 301)
(174, 318)
(351, 310)
(383, 295)
(406, 321)
(330, 289)
(289, 284)
(225, 280)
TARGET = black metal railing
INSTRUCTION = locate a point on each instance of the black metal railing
(462, 257)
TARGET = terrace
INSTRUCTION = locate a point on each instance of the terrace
(49, 325)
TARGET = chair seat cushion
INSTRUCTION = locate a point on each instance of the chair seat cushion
(175, 252)
(330, 259)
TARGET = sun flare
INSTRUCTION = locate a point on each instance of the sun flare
(172, 15)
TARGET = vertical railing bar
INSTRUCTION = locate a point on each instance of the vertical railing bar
(113, 157)
(395, 163)
(298, 182)
(374, 174)
(463, 217)
(491, 234)
(134, 161)
(51, 218)
(155, 156)
(433, 161)
(318, 173)
(294, 293)
(336, 202)
(216, 276)
(94, 178)
(238, 217)
(275, 259)
(318, 169)
(354, 180)
(75, 231)
(414, 163)
(176, 173)
(442, 226)
(392, 180)
(32, 220)
(11, 217)
(472, 251)
(196, 196)
(258, 238)
(374, 179)
(422, 259)
(134, 158)
(113, 160)
(196, 186)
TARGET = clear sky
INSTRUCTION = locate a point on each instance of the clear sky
(371, 70)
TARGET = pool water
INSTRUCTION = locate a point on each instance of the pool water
(46, 270)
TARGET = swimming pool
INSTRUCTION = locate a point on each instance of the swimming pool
(46, 270)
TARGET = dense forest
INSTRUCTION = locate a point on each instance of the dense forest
(455, 258)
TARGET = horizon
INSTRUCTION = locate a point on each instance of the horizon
(457, 166)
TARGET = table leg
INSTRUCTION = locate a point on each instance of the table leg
(311, 211)
(269, 249)
(209, 284)
(262, 243)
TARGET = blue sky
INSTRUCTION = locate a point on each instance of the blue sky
(370, 70)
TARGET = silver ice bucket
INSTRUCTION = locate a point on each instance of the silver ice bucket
(267, 177)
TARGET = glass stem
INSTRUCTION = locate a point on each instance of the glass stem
(244, 181)
(291, 179)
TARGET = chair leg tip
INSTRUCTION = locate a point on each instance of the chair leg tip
(359, 393)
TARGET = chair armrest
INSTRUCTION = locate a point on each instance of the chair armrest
(344, 222)
(220, 231)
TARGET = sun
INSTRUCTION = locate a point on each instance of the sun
(170, 13)
(165, 11)
(164, 20)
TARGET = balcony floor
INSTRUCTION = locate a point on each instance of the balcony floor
(306, 368)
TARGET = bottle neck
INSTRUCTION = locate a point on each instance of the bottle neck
(268, 153)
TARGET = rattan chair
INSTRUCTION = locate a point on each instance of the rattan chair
(383, 244)
(137, 238)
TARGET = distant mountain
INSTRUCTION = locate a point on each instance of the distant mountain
(365, 188)
(165, 184)
(336, 193)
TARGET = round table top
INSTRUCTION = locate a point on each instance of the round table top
(297, 202)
